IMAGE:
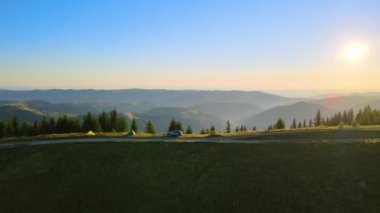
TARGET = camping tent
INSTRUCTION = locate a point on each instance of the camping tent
(90, 133)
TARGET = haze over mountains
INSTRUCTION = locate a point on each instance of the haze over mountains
(200, 109)
(179, 98)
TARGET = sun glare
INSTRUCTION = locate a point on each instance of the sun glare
(355, 51)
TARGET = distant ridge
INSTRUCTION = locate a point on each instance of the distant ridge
(160, 97)
(199, 108)
(300, 111)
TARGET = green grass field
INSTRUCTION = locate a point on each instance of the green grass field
(191, 177)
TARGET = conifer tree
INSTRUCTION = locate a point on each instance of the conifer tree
(280, 124)
(2, 128)
(87, 124)
(113, 120)
(150, 128)
(35, 129)
(318, 118)
(294, 124)
(189, 130)
(351, 115)
(212, 129)
(25, 129)
(9, 131)
(228, 128)
(172, 125)
(105, 122)
(52, 125)
(121, 125)
(345, 117)
(134, 125)
(310, 123)
(15, 126)
(44, 126)
(178, 126)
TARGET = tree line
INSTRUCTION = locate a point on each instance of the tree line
(366, 116)
(104, 122)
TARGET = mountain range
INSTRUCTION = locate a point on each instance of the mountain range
(197, 108)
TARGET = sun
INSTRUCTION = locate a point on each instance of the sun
(355, 51)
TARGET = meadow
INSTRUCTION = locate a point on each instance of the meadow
(315, 134)
(191, 177)
(303, 134)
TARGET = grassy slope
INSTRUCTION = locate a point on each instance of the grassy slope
(316, 134)
(187, 177)
(98, 135)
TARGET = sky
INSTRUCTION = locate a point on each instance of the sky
(190, 44)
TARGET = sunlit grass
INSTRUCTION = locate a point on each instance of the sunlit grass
(309, 133)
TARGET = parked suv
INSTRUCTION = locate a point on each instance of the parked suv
(174, 133)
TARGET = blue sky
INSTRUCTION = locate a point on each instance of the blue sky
(187, 44)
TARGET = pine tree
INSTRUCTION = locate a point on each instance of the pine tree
(254, 128)
(178, 126)
(134, 125)
(9, 131)
(351, 115)
(212, 129)
(15, 126)
(294, 124)
(113, 120)
(2, 128)
(44, 126)
(304, 123)
(318, 118)
(121, 125)
(87, 124)
(25, 129)
(52, 125)
(345, 117)
(310, 123)
(150, 128)
(189, 130)
(105, 122)
(66, 124)
(172, 125)
(237, 129)
(35, 129)
(299, 125)
(228, 128)
(280, 124)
